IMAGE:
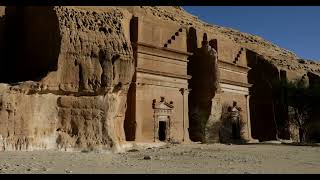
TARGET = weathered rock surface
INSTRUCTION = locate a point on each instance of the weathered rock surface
(213, 125)
(79, 104)
(202, 127)
(67, 82)
(205, 107)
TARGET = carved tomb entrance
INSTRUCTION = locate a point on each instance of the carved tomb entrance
(162, 118)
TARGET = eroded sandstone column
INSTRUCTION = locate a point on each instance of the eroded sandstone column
(213, 124)
(205, 106)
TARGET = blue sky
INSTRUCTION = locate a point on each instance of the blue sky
(296, 28)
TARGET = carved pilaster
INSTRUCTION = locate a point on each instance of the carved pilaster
(185, 94)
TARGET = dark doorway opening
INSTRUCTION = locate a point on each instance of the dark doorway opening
(129, 121)
(235, 130)
(162, 130)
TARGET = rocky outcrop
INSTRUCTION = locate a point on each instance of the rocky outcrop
(76, 98)
(65, 74)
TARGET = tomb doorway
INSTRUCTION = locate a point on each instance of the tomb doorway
(162, 118)
(162, 130)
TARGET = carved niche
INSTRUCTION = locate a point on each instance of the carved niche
(162, 117)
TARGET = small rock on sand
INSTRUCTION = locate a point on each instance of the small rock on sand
(147, 157)
(68, 171)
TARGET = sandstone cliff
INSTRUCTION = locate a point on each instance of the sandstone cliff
(81, 65)
(268, 63)
(282, 58)
(67, 71)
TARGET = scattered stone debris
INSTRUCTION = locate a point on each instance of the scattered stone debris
(175, 142)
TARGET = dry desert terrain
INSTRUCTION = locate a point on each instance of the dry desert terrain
(179, 158)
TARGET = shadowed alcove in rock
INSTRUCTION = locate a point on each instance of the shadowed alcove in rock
(32, 41)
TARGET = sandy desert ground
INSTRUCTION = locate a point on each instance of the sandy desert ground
(191, 158)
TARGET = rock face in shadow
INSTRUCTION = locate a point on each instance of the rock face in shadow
(204, 103)
(264, 104)
(75, 96)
